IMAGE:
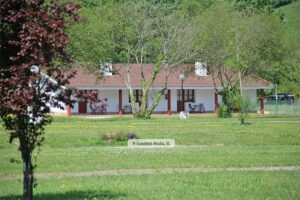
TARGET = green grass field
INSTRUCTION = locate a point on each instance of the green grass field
(213, 159)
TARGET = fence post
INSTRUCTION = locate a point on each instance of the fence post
(169, 102)
(276, 100)
(216, 102)
(120, 103)
(262, 104)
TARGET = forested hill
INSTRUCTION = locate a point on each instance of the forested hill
(259, 36)
(190, 3)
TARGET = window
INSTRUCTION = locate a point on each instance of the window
(137, 95)
(188, 95)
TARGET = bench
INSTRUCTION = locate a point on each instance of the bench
(196, 108)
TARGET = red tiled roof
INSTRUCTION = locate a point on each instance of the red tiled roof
(88, 80)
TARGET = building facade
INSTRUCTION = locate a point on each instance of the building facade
(197, 92)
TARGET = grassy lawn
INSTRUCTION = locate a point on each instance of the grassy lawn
(74, 146)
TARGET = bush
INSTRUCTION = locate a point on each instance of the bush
(224, 111)
(106, 138)
(118, 137)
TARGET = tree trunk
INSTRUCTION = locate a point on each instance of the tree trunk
(133, 105)
(145, 90)
(242, 120)
(27, 178)
(156, 102)
(26, 151)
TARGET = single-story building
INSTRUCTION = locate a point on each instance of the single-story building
(198, 89)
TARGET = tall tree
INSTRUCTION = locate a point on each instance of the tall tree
(33, 39)
(141, 32)
(241, 44)
(214, 36)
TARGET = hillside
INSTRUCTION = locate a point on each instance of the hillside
(292, 17)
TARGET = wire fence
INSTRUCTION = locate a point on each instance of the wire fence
(282, 106)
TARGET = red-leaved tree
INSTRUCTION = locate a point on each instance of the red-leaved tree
(32, 41)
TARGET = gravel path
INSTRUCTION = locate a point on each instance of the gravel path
(153, 171)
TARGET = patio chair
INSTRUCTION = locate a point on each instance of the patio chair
(101, 108)
(191, 108)
(98, 108)
(126, 109)
(93, 108)
(202, 109)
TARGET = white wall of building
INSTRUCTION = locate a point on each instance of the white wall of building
(205, 96)
(251, 93)
(125, 98)
(58, 110)
(112, 97)
(163, 104)
(75, 108)
(174, 100)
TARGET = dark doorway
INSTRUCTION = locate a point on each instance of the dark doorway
(82, 108)
(188, 96)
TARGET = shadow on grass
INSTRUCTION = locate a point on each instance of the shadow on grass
(244, 124)
(72, 195)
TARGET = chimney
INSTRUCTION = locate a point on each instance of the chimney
(200, 68)
(106, 69)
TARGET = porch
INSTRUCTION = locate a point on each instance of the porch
(118, 101)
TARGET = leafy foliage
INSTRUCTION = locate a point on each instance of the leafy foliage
(244, 43)
(246, 36)
(229, 100)
(32, 38)
(141, 32)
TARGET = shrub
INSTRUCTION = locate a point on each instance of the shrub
(106, 138)
(224, 111)
(118, 137)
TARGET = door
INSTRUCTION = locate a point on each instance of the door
(187, 96)
(82, 106)
(180, 102)
(180, 105)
